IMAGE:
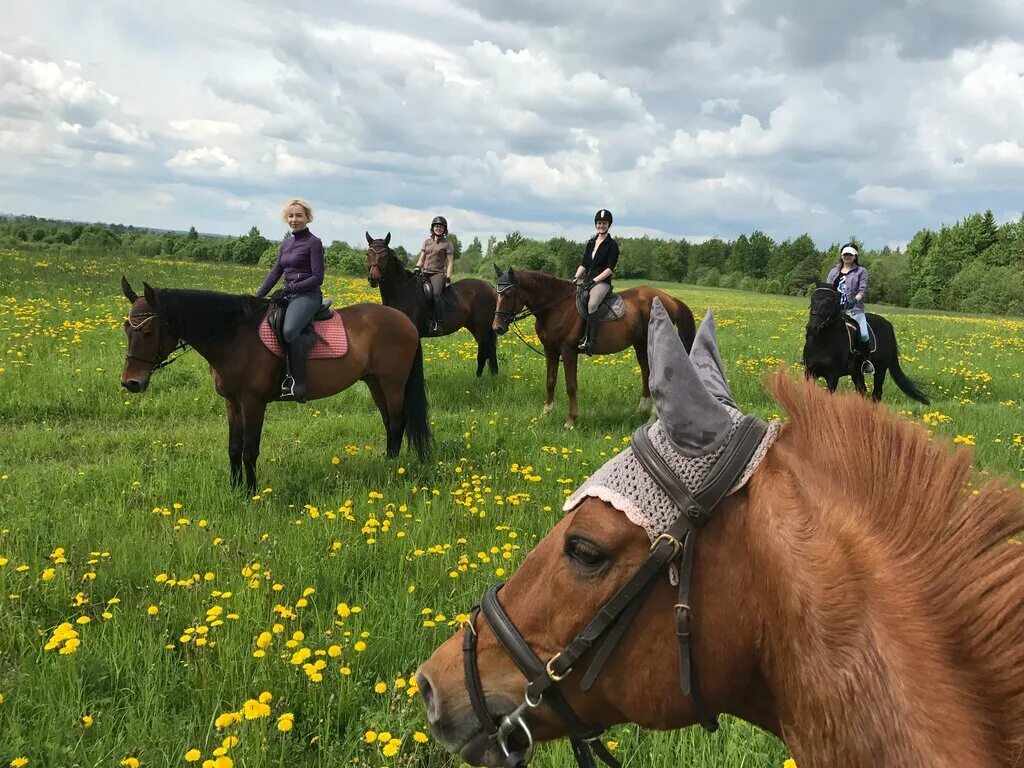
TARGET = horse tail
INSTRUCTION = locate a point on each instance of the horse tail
(902, 380)
(417, 421)
(686, 325)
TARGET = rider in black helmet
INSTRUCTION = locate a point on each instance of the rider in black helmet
(600, 256)
(437, 257)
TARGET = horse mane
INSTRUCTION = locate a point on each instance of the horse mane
(198, 316)
(954, 541)
(535, 277)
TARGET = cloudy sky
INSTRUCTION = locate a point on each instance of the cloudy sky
(703, 118)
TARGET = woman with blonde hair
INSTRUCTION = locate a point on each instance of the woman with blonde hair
(301, 261)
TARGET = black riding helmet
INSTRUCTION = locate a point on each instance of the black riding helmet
(439, 220)
(603, 215)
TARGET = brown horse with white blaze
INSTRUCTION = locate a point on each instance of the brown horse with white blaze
(552, 302)
(859, 599)
(384, 351)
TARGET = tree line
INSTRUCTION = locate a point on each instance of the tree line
(974, 265)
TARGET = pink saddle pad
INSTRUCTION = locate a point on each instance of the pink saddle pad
(332, 331)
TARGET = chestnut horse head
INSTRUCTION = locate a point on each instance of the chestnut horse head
(854, 597)
(510, 302)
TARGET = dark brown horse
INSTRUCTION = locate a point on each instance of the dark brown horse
(552, 302)
(399, 288)
(384, 351)
(856, 598)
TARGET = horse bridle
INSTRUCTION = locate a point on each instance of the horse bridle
(377, 251)
(526, 312)
(675, 546)
(833, 315)
(161, 360)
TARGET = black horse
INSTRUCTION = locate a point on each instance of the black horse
(470, 303)
(830, 344)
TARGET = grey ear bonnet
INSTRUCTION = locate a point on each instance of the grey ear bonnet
(697, 416)
(690, 393)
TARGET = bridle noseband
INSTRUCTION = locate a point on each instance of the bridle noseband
(161, 360)
(675, 546)
(834, 313)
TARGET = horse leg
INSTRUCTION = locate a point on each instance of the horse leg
(569, 359)
(252, 416)
(645, 405)
(236, 431)
(832, 381)
(858, 382)
(390, 413)
(876, 388)
(484, 340)
(551, 356)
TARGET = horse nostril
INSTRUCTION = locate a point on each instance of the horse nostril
(132, 385)
(429, 700)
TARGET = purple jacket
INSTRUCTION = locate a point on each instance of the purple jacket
(301, 259)
(856, 283)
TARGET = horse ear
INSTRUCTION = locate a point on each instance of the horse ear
(127, 290)
(706, 359)
(497, 272)
(369, 240)
(387, 239)
(694, 420)
(150, 294)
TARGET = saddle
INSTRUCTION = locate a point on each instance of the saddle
(853, 336)
(612, 308)
(326, 326)
(447, 295)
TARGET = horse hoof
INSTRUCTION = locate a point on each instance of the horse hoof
(548, 408)
(570, 424)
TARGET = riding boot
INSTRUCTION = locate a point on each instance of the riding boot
(866, 368)
(590, 339)
(438, 315)
(294, 385)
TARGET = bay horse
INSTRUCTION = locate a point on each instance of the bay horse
(552, 302)
(827, 348)
(858, 599)
(384, 352)
(399, 288)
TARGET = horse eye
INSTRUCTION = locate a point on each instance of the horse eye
(585, 553)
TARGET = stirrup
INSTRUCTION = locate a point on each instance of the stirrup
(866, 368)
(287, 387)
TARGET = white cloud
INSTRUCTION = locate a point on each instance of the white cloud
(204, 159)
(732, 116)
(891, 197)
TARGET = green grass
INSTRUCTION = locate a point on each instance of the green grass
(88, 468)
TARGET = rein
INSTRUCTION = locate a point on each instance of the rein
(183, 346)
(512, 318)
(675, 546)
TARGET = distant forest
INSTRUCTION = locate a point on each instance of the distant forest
(975, 265)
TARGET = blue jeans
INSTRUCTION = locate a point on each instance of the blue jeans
(301, 308)
(862, 321)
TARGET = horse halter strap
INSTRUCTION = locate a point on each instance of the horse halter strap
(676, 545)
(157, 363)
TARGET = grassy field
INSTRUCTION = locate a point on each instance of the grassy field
(325, 591)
